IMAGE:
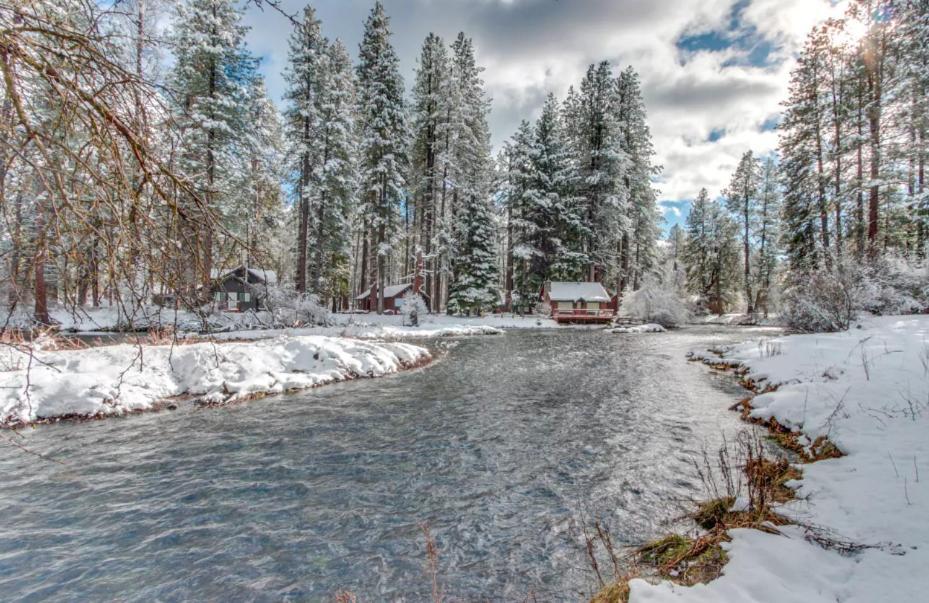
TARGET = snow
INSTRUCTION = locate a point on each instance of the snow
(567, 291)
(113, 380)
(867, 389)
(387, 326)
(646, 328)
(389, 291)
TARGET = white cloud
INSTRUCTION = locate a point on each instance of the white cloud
(532, 47)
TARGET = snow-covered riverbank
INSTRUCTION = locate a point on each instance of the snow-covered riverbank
(114, 380)
(867, 390)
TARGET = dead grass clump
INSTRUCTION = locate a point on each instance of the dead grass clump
(713, 513)
(822, 448)
(617, 592)
(687, 561)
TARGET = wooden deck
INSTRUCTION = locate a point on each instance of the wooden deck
(583, 316)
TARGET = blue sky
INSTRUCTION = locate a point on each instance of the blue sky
(713, 71)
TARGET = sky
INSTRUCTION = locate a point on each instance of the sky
(713, 72)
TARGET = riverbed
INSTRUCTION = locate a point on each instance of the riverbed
(503, 447)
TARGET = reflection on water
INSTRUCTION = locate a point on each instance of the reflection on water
(501, 448)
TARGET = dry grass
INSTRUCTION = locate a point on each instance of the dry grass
(687, 561)
(617, 592)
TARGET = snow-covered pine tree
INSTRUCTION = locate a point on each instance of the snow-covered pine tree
(474, 269)
(638, 253)
(255, 215)
(551, 213)
(383, 144)
(742, 203)
(711, 254)
(912, 87)
(802, 167)
(766, 232)
(211, 79)
(429, 114)
(591, 116)
(520, 225)
(303, 75)
(334, 180)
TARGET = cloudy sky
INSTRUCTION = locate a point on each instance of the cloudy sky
(713, 71)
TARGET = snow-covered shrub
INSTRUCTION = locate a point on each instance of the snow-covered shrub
(820, 302)
(414, 308)
(892, 285)
(830, 301)
(656, 302)
(290, 308)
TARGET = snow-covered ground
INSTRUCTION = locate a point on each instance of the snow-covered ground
(867, 390)
(91, 320)
(113, 380)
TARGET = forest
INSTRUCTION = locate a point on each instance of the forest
(142, 158)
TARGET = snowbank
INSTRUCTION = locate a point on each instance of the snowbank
(366, 331)
(646, 328)
(867, 390)
(113, 380)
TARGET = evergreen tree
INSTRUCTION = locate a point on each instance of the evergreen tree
(474, 269)
(520, 222)
(711, 254)
(766, 232)
(638, 252)
(303, 74)
(254, 215)
(591, 117)
(212, 77)
(429, 113)
(741, 201)
(383, 144)
(554, 226)
(334, 179)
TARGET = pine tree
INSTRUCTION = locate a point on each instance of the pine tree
(711, 254)
(520, 222)
(742, 201)
(766, 232)
(212, 75)
(638, 254)
(429, 114)
(593, 130)
(383, 143)
(304, 74)
(474, 270)
(551, 214)
(334, 178)
(254, 214)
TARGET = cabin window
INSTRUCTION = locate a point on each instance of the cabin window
(246, 297)
(232, 296)
(565, 305)
(593, 305)
(218, 296)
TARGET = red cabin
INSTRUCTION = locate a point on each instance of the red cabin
(393, 298)
(576, 302)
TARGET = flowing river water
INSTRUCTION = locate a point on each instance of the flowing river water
(505, 446)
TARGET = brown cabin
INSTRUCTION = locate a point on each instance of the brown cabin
(577, 302)
(393, 298)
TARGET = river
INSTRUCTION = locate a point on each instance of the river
(502, 446)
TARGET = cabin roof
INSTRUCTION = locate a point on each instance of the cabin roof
(389, 291)
(268, 277)
(571, 291)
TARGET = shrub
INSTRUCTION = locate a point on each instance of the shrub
(657, 302)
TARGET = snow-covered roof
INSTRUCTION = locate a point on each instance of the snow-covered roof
(268, 276)
(567, 291)
(389, 291)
